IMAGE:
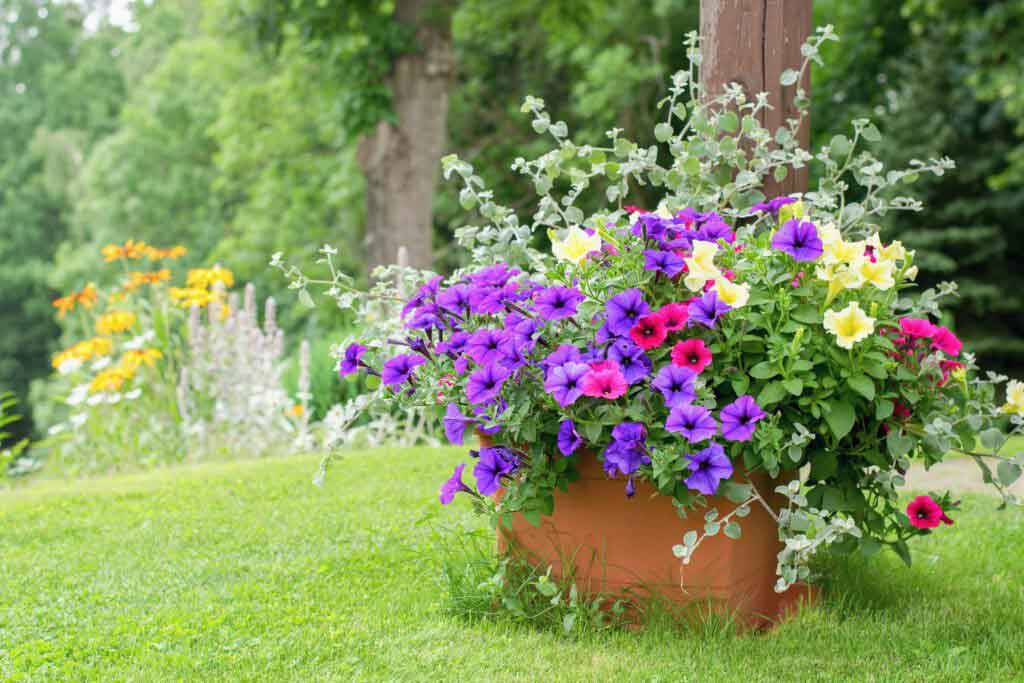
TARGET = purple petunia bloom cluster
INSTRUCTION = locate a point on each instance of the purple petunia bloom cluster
(480, 342)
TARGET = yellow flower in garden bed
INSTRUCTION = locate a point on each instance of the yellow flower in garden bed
(129, 250)
(84, 350)
(115, 322)
(156, 254)
(187, 297)
(111, 379)
(205, 278)
(85, 297)
(134, 358)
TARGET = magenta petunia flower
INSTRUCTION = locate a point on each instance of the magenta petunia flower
(947, 342)
(453, 486)
(649, 332)
(692, 354)
(675, 315)
(605, 380)
(739, 419)
(799, 239)
(917, 328)
(925, 513)
(708, 467)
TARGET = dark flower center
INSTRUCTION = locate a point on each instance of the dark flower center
(694, 359)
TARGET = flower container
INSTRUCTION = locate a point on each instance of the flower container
(620, 546)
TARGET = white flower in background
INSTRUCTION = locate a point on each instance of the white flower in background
(140, 341)
(100, 363)
(56, 429)
(78, 419)
(133, 394)
(113, 398)
(78, 394)
(95, 399)
(70, 365)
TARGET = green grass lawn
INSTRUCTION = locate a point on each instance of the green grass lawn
(245, 571)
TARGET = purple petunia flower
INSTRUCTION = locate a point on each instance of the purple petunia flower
(693, 422)
(350, 362)
(707, 310)
(564, 382)
(454, 345)
(493, 276)
(627, 450)
(399, 369)
(624, 309)
(513, 353)
(425, 317)
(714, 230)
(739, 418)
(494, 463)
(562, 355)
(455, 423)
(425, 293)
(772, 206)
(667, 262)
(453, 485)
(650, 224)
(568, 438)
(455, 299)
(523, 328)
(487, 416)
(708, 467)
(485, 383)
(485, 345)
(557, 303)
(630, 488)
(799, 239)
(676, 385)
(632, 360)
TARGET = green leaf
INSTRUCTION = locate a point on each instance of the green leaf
(870, 133)
(992, 439)
(863, 386)
(794, 386)
(692, 166)
(901, 549)
(662, 132)
(897, 444)
(840, 418)
(869, 546)
(532, 516)
(690, 539)
(789, 77)
(592, 431)
(763, 370)
(772, 393)
(711, 528)
(806, 314)
(883, 409)
(568, 621)
(732, 530)
(734, 491)
(823, 465)
(1008, 472)
(780, 173)
(729, 122)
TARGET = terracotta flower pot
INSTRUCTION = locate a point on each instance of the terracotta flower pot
(613, 545)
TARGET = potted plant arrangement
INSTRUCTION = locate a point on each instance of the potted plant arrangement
(698, 397)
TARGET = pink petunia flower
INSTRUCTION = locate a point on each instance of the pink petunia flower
(925, 513)
(947, 342)
(649, 331)
(605, 380)
(918, 328)
(692, 354)
(675, 315)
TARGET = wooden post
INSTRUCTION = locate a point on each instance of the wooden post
(751, 42)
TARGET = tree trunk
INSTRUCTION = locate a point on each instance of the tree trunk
(751, 42)
(401, 160)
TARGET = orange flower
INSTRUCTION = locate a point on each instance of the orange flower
(137, 279)
(130, 250)
(84, 350)
(155, 253)
(85, 297)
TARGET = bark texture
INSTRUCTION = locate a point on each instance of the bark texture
(751, 42)
(401, 160)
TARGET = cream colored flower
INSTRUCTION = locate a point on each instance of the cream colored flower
(734, 294)
(878, 273)
(701, 265)
(1014, 398)
(849, 325)
(576, 245)
(894, 252)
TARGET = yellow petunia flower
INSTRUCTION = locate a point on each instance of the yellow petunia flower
(576, 245)
(849, 325)
(115, 322)
(879, 273)
(893, 252)
(1014, 398)
(701, 266)
(732, 293)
